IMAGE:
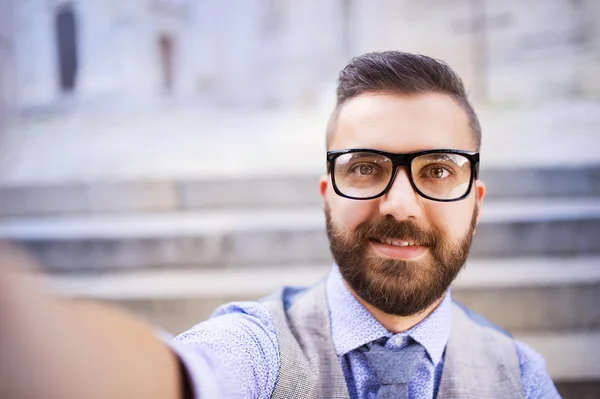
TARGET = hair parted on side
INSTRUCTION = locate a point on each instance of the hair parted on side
(395, 72)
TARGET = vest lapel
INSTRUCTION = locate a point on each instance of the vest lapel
(480, 363)
(309, 367)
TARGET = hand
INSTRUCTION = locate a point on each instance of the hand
(27, 366)
(56, 348)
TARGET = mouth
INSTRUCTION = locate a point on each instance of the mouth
(397, 242)
(396, 248)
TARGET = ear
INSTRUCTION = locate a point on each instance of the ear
(323, 183)
(480, 191)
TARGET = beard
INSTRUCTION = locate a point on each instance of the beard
(398, 287)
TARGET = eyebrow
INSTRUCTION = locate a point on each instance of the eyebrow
(457, 159)
(441, 155)
(365, 154)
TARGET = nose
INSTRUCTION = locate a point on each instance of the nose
(401, 201)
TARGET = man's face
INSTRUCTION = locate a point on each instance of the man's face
(399, 279)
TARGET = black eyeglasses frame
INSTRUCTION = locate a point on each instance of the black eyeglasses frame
(404, 160)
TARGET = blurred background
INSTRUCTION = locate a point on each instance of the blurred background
(164, 154)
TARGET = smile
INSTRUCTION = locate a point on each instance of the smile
(398, 243)
(398, 249)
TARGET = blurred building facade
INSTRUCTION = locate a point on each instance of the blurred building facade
(287, 53)
(99, 51)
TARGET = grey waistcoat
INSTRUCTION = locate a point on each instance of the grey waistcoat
(480, 362)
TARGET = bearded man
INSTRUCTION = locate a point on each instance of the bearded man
(401, 199)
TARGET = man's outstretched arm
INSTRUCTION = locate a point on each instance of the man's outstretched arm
(56, 348)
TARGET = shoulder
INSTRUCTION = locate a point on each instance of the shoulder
(233, 325)
(535, 379)
(231, 317)
(537, 383)
(239, 344)
(246, 322)
(479, 319)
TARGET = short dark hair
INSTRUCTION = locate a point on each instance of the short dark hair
(395, 72)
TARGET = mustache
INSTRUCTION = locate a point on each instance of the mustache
(389, 227)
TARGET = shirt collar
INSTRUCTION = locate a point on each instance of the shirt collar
(353, 326)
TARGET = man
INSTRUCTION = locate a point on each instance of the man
(401, 198)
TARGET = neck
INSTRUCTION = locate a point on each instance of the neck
(396, 324)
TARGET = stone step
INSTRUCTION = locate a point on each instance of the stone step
(258, 192)
(571, 359)
(520, 295)
(569, 356)
(579, 389)
(547, 304)
(262, 237)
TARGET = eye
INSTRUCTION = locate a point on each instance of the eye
(438, 173)
(365, 170)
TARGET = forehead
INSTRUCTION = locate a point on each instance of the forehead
(399, 123)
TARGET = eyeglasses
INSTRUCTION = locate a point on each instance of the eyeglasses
(438, 175)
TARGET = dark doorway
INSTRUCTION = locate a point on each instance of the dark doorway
(165, 45)
(66, 39)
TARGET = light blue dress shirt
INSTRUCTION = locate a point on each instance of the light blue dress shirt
(235, 353)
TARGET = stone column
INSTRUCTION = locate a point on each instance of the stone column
(6, 63)
(589, 15)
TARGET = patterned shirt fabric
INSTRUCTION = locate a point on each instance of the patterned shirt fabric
(235, 353)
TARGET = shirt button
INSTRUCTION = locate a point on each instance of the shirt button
(399, 340)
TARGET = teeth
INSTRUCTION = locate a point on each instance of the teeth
(397, 243)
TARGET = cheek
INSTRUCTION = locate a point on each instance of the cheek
(348, 214)
(452, 219)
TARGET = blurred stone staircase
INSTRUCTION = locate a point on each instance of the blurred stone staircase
(172, 251)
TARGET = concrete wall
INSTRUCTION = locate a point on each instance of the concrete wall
(287, 53)
(117, 46)
(506, 51)
(6, 62)
(264, 52)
